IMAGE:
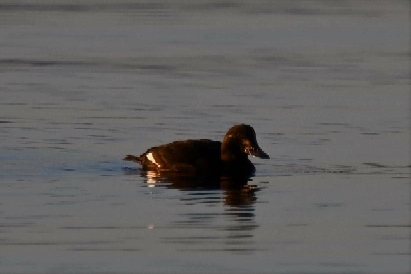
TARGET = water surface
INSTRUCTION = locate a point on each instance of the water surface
(325, 85)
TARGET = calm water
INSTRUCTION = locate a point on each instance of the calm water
(324, 84)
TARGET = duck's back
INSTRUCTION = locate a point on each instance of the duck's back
(189, 155)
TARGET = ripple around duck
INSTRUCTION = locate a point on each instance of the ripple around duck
(290, 169)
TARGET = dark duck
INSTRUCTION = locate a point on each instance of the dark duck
(205, 156)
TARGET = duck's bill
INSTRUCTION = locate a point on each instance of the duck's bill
(257, 152)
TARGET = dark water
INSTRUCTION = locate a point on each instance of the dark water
(325, 84)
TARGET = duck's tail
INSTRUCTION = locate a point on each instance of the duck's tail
(132, 158)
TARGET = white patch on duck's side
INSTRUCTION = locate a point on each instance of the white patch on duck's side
(151, 159)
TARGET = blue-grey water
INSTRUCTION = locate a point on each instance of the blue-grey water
(325, 84)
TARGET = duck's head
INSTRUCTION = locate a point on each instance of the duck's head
(240, 141)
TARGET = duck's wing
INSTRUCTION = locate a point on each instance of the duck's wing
(183, 155)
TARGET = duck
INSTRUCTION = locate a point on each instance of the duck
(205, 156)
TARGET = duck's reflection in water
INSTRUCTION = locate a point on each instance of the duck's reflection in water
(208, 226)
(236, 190)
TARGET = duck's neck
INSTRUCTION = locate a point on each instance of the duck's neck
(230, 151)
(235, 161)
